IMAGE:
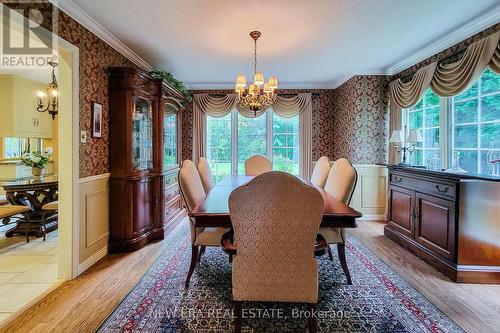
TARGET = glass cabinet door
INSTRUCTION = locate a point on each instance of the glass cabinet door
(170, 136)
(142, 134)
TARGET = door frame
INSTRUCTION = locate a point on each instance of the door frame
(68, 172)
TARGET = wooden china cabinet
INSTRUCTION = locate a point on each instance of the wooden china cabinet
(145, 116)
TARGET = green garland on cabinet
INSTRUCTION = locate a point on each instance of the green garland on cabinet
(169, 78)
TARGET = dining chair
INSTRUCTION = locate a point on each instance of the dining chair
(205, 174)
(257, 165)
(49, 211)
(320, 172)
(192, 192)
(340, 183)
(276, 219)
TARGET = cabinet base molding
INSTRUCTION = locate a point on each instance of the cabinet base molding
(133, 244)
(457, 273)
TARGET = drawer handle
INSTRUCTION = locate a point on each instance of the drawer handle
(398, 180)
(441, 190)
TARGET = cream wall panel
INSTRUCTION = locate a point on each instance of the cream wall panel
(370, 195)
(94, 219)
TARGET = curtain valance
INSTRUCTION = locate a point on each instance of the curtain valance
(287, 107)
(449, 79)
(219, 106)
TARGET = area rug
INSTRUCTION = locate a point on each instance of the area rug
(379, 300)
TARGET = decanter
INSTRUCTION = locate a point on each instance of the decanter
(455, 167)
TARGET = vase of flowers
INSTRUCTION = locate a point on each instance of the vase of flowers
(37, 161)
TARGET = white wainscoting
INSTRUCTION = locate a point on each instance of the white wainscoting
(94, 220)
(370, 195)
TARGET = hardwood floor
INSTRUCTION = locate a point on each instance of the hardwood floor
(82, 304)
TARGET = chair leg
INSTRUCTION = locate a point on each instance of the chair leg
(311, 307)
(330, 255)
(194, 260)
(202, 251)
(238, 316)
(44, 227)
(343, 262)
(28, 227)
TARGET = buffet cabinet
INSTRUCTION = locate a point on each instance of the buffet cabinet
(145, 115)
(450, 221)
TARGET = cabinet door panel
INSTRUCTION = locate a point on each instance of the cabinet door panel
(435, 225)
(400, 210)
(142, 201)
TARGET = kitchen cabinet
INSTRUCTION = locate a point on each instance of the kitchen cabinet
(18, 113)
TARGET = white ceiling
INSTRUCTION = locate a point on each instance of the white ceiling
(307, 44)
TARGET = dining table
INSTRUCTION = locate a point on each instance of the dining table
(214, 210)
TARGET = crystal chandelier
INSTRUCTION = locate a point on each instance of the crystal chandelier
(260, 94)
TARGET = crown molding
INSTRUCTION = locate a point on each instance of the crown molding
(479, 24)
(76, 13)
(230, 85)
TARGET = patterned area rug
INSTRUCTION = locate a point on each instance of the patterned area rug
(378, 301)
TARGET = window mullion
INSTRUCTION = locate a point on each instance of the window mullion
(234, 142)
(269, 134)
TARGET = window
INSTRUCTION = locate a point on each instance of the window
(170, 140)
(219, 149)
(286, 144)
(252, 139)
(232, 139)
(14, 147)
(475, 122)
(424, 116)
(468, 123)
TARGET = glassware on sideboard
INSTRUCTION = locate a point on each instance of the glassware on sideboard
(434, 162)
(455, 167)
(493, 159)
(142, 134)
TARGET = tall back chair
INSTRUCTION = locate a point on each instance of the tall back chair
(257, 165)
(320, 172)
(193, 194)
(340, 183)
(205, 174)
(275, 218)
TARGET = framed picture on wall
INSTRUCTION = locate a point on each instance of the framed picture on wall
(96, 120)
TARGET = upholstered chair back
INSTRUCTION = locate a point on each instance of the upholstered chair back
(341, 180)
(275, 218)
(205, 174)
(191, 190)
(320, 172)
(257, 165)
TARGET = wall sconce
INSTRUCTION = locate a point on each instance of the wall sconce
(52, 95)
(403, 143)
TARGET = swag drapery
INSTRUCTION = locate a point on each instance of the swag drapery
(287, 107)
(445, 80)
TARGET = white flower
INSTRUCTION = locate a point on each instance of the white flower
(49, 150)
(36, 159)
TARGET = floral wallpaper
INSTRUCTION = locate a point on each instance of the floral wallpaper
(322, 122)
(95, 58)
(361, 119)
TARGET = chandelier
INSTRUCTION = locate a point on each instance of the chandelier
(260, 94)
(52, 95)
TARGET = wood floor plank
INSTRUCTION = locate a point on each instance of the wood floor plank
(81, 305)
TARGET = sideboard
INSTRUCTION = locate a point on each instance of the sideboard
(452, 221)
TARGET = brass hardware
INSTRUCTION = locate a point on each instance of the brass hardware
(443, 190)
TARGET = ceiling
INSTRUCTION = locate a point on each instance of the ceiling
(307, 44)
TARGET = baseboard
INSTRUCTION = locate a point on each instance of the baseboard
(373, 217)
(92, 260)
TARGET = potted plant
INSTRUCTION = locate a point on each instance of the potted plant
(37, 161)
